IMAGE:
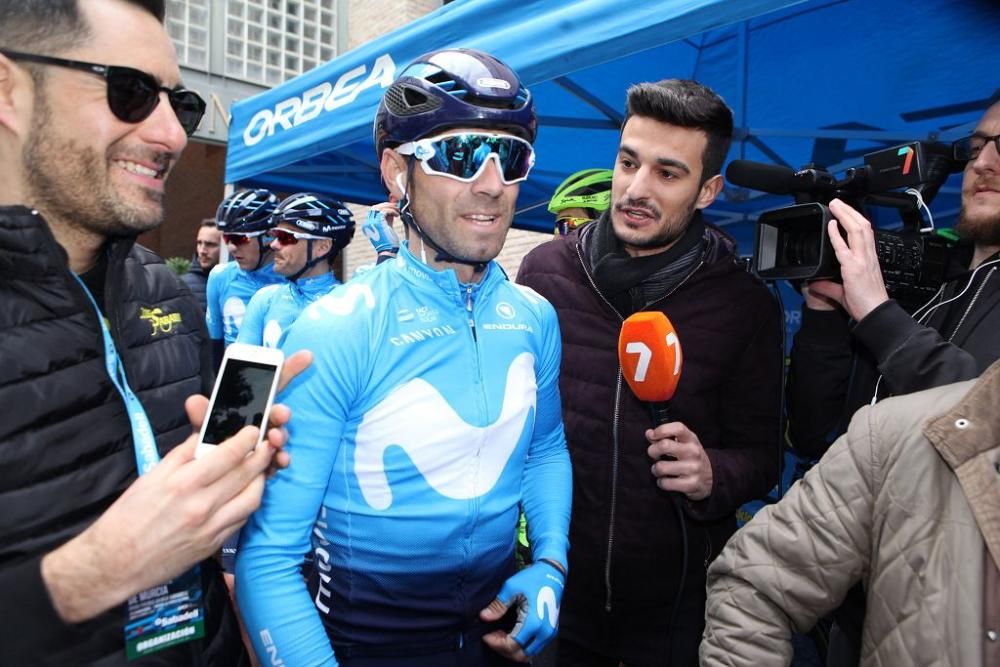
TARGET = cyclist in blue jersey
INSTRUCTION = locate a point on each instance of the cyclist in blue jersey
(325, 227)
(243, 218)
(430, 414)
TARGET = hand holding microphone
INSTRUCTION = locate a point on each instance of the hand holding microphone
(650, 355)
(681, 463)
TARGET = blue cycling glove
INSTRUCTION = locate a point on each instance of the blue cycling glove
(380, 232)
(536, 591)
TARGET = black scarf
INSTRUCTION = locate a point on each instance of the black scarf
(632, 283)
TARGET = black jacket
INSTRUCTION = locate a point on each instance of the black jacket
(196, 279)
(66, 449)
(625, 542)
(835, 368)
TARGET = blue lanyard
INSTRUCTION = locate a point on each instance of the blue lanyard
(143, 439)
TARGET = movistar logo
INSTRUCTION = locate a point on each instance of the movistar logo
(162, 323)
(401, 420)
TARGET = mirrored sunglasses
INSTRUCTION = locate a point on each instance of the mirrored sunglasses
(288, 237)
(463, 155)
(132, 94)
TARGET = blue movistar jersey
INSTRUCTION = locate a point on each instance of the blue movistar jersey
(430, 412)
(228, 292)
(274, 308)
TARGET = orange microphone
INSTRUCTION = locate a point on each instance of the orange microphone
(650, 355)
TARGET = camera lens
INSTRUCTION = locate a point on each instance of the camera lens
(799, 248)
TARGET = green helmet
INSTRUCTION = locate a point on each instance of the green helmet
(589, 188)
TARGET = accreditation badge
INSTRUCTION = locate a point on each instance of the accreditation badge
(165, 615)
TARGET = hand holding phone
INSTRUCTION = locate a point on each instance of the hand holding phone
(243, 394)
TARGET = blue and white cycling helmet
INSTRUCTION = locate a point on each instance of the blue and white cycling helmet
(450, 89)
(453, 88)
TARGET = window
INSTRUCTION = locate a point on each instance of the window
(282, 38)
(188, 25)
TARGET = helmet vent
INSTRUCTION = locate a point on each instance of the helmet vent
(408, 101)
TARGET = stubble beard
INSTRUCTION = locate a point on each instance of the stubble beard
(71, 184)
(672, 231)
(451, 240)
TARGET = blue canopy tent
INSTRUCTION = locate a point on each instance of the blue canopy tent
(822, 81)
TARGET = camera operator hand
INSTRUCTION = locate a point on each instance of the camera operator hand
(862, 289)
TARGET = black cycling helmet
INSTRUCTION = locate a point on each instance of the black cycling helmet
(453, 88)
(246, 211)
(317, 214)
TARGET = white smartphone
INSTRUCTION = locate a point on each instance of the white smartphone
(243, 393)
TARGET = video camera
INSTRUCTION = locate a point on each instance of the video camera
(791, 243)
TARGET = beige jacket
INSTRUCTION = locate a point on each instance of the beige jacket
(901, 503)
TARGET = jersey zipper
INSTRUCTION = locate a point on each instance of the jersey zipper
(468, 310)
(474, 502)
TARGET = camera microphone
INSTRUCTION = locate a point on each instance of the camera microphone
(650, 355)
(779, 180)
(772, 178)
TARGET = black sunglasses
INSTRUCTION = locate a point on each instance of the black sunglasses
(132, 94)
(967, 149)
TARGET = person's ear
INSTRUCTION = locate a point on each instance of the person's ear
(16, 95)
(710, 189)
(393, 168)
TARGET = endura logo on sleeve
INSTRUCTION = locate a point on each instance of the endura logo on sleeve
(506, 311)
(320, 99)
(272, 650)
(162, 323)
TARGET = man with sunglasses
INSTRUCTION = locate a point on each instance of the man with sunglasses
(100, 345)
(309, 231)
(244, 219)
(857, 346)
(431, 415)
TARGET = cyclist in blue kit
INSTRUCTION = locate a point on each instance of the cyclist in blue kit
(243, 218)
(308, 230)
(430, 414)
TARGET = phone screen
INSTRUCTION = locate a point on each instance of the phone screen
(240, 399)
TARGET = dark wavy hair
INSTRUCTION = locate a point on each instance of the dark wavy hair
(686, 103)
